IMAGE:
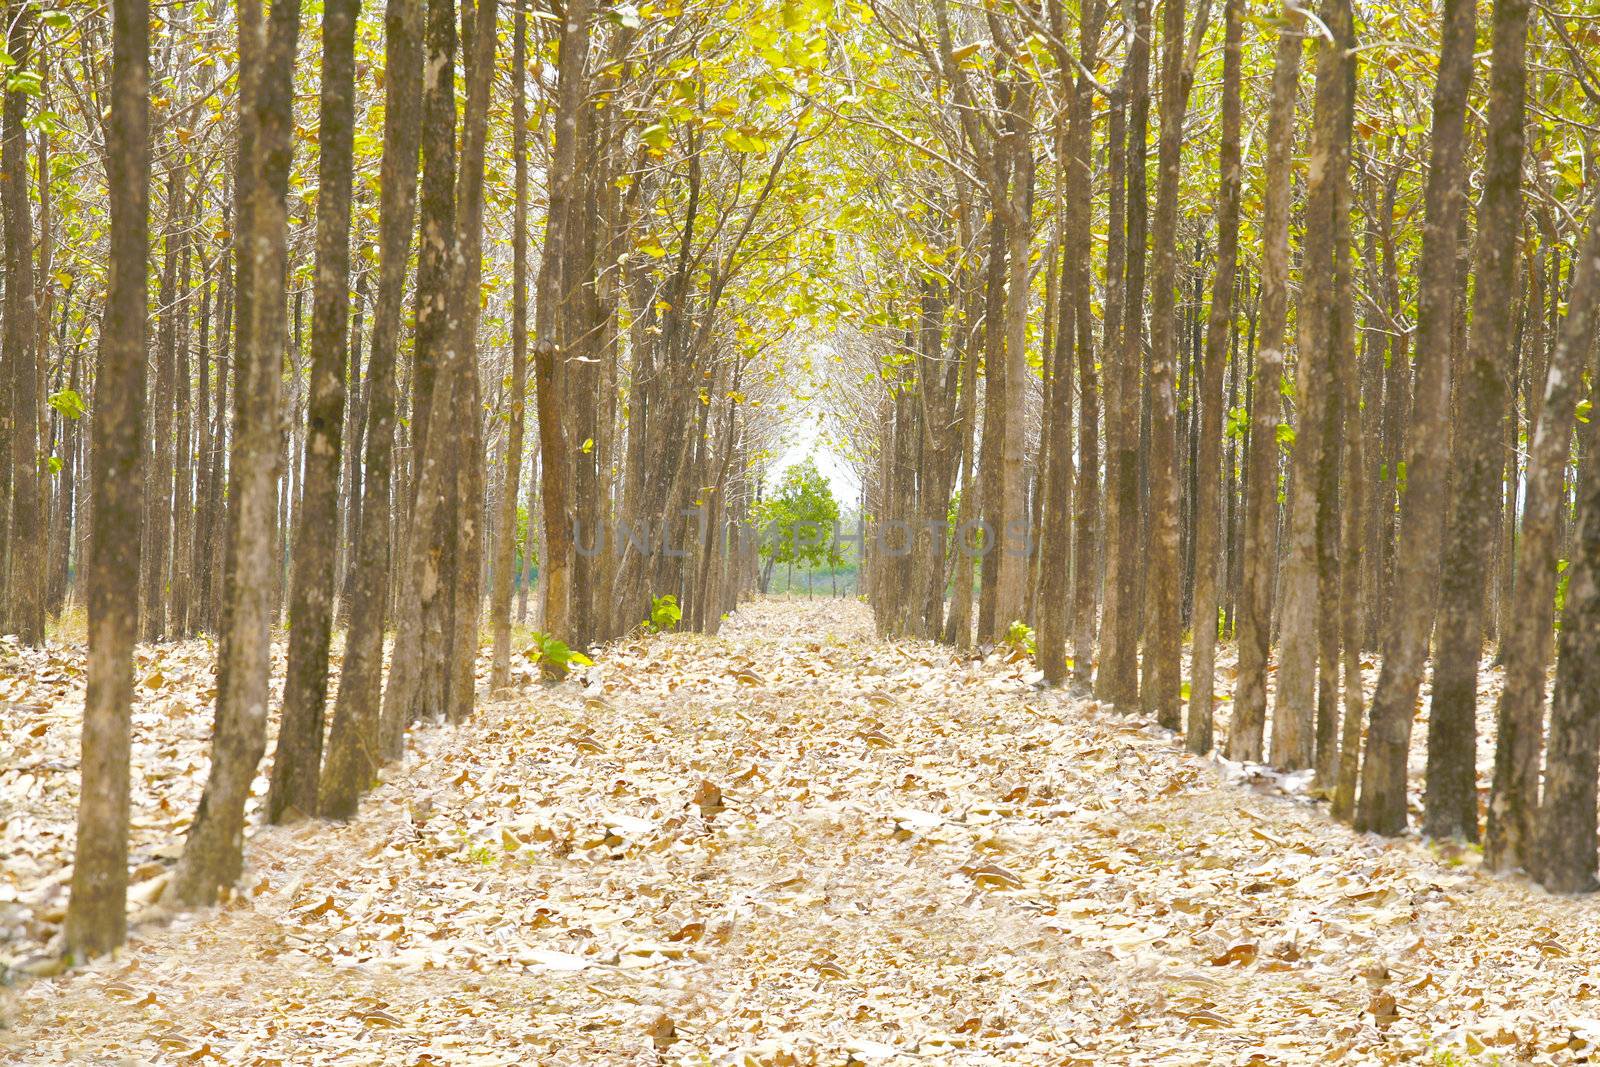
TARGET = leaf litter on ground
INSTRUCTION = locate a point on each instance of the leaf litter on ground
(791, 843)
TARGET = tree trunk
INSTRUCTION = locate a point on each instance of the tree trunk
(1293, 721)
(297, 764)
(178, 607)
(554, 442)
(1012, 531)
(25, 587)
(96, 919)
(417, 682)
(1337, 768)
(1451, 800)
(479, 52)
(214, 852)
(1261, 508)
(1164, 638)
(1116, 674)
(1382, 806)
(1120, 633)
(505, 534)
(1512, 833)
(1229, 171)
(158, 453)
(1563, 856)
(353, 743)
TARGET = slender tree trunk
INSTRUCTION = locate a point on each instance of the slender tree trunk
(1261, 509)
(1229, 171)
(297, 764)
(25, 587)
(1337, 769)
(354, 445)
(416, 686)
(479, 52)
(990, 462)
(158, 509)
(505, 534)
(1164, 638)
(1339, 520)
(555, 446)
(530, 538)
(200, 532)
(353, 743)
(1382, 806)
(1121, 634)
(1451, 799)
(214, 852)
(1012, 547)
(183, 451)
(958, 626)
(1117, 676)
(1056, 550)
(1293, 721)
(96, 919)
(1512, 832)
(1563, 855)
(213, 511)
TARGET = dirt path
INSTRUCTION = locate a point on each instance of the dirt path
(912, 859)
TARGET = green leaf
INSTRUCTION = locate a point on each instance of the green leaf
(67, 403)
(664, 613)
(743, 142)
(27, 82)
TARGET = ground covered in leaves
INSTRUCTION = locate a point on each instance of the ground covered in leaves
(793, 844)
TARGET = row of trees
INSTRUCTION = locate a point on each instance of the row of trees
(279, 371)
(1322, 389)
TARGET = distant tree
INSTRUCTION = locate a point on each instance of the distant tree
(797, 521)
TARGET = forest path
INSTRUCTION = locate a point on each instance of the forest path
(915, 859)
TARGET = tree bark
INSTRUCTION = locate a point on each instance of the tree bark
(1514, 801)
(1293, 721)
(1382, 806)
(1563, 857)
(505, 534)
(353, 743)
(417, 682)
(25, 588)
(1451, 798)
(297, 763)
(554, 442)
(96, 919)
(1163, 647)
(1261, 508)
(158, 510)
(1116, 677)
(214, 852)
(1202, 687)
(1120, 634)
(467, 283)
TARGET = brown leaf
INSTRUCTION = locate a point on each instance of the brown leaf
(993, 876)
(1241, 953)
(708, 797)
